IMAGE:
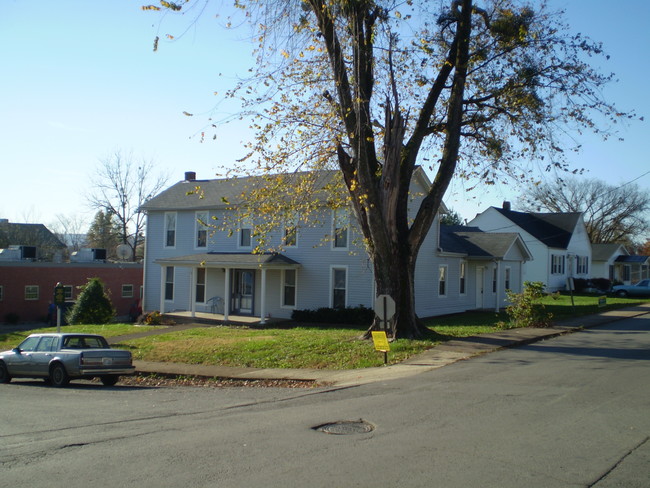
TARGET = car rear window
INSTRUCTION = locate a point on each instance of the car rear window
(84, 342)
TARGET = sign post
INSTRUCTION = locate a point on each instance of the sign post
(59, 301)
(384, 309)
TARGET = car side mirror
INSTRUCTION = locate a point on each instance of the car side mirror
(16, 350)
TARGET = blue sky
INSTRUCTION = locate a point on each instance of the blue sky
(80, 81)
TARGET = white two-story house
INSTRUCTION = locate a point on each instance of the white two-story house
(558, 242)
(195, 267)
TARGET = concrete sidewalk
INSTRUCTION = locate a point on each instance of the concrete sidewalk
(436, 357)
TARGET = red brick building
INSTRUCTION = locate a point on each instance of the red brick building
(27, 287)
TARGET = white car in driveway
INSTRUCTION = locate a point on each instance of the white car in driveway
(59, 358)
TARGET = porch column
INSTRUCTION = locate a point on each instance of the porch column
(226, 295)
(192, 291)
(263, 300)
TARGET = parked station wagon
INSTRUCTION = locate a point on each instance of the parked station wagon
(59, 358)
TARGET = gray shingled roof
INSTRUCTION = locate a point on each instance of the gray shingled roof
(473, 242)
(602, 252)
(221, 193)
(28, 235)
(553, 229)
(225, 259)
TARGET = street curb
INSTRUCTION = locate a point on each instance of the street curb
(438, 356)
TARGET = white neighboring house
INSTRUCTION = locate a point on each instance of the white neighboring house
(606, 262)
(558, 242)
(190, 268)
(493, 263)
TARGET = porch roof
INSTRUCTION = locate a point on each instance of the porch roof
(633, 259)
(476, 244)
(231, 260)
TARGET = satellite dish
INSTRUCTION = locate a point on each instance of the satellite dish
(123, 252)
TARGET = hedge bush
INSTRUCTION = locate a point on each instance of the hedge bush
(359, 315)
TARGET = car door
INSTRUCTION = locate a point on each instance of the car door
(19, 363)
(642, 288)
(42, 355)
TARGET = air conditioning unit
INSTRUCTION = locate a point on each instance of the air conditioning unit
(27, 253)
(86, 255)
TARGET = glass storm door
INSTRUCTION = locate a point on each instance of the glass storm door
(244, 291)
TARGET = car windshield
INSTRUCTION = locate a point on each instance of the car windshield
(85, 342)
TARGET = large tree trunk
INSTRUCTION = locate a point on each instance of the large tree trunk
(396, 279)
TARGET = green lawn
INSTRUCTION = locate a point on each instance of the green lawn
(308, 347)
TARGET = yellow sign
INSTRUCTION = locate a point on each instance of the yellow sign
(380, 339)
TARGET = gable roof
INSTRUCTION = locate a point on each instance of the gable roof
(475, 243)
(28, 235)
(224, 193)
(552, 229)
(603, 252)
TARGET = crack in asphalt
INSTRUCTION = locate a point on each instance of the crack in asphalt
(618, 463)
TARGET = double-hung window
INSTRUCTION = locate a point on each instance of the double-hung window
(341, 223)
(170, 229)
(442, 281)
(557, 264)
(200, 285)
(462, 277)
(339, 287)
(31, 292)
(582, 266)
(291, 232)
(245, 235)
(289, 288)
(201, 229)
(169, 283)
(507, 282)
(127, 291)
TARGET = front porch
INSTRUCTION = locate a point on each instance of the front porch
(229, 288)
(188, 317)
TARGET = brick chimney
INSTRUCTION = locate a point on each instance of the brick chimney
(190, 176)
(506, 206)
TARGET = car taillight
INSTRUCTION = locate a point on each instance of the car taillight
(89, 361)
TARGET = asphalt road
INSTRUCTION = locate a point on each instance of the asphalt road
(573, 411)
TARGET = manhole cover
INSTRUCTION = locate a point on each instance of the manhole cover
(346, 427)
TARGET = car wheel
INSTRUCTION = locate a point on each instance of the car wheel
(58, 375)
(109, 380)
(4, 373)
(621, 293)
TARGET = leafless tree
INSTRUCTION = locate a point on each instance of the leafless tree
(71, 230)
(611, 213)
(119, 187)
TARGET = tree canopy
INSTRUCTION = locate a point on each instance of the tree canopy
(376, 88)
(611, 213)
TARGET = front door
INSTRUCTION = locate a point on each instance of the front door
(479, 287)
(243, 291)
